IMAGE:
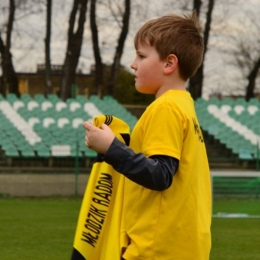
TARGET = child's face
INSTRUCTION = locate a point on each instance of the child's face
(148, 69)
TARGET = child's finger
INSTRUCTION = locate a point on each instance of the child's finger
(87, 125)
(104, 127)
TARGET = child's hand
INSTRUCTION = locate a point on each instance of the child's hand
(98, 139)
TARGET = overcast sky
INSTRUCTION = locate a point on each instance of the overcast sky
(230, 18)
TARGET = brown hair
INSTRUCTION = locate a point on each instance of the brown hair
(173, 34)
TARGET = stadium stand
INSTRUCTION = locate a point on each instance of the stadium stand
(41, 127)
(47, 127)
(233, 123)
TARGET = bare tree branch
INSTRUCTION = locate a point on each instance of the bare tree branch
(48, 83)
(10, 81)
(196, 82)
(119, 50)
(98, 82)
(75, 38)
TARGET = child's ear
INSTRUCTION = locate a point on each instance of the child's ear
(171, 64)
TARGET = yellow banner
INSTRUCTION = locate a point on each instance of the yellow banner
(98, 229)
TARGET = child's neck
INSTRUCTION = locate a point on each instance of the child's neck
(176, 85)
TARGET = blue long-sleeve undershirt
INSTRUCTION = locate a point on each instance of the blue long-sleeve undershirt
(155, 172)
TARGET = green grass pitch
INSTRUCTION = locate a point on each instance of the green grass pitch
(43, 229)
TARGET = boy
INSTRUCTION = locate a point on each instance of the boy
(167, 194)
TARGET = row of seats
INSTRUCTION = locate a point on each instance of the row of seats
(46, 126)
(235, 123)
(228, 101)
(31, 126)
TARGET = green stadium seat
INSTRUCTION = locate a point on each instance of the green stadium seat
(239, 108)
(241, 101)
(8, 145)
(32, 104)
(42, 151)
(207, 121)
(225, 108)
(17, 104)
(53, 98)
(213, 129)
(81, 99)
(11, 97)
(89, 153)
(49, 141)
(60, 150)
(24, 113)
(37, 112)
(46, 105)
(252, 109)
(74, 105)
(28, 153)
(25, 98)
(214, 101)
(47, 121)
(60, 106)
(74, 152)
(4, 137)
(228, 101)
(39, 98)
(77, 122)
(94, 98)
(40, 129)
(62, 122)
(11, 152)
(245, 154)
(254, 101)
(64, 112)
(91, 109)
(33, 120)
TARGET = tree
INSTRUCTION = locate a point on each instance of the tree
(252, 79)
(196, 82)
(119, 49)
(48, 83)
(100, 69)
(246, 52)
(197, 6)
(10, 80)
(247, 57)
(75, 38)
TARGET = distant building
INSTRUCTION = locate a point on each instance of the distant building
(34, 83)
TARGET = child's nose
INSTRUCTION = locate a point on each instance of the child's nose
(133, 65)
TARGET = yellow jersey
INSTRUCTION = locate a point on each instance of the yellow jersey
(173, 224)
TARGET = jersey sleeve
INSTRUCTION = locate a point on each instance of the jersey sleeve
(163, 132)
